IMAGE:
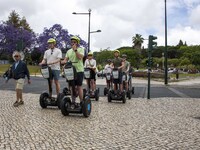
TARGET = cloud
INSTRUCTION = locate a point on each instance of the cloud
(119, 20)
(194, 17)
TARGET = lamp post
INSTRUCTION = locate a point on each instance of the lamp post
(165, 53)
(89, 13)
(95, 31)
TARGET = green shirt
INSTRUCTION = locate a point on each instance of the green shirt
(77, 63)
(117, 62)
(126, 65)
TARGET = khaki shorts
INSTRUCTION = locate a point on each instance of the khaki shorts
(20, 84)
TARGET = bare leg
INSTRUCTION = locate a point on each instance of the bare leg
(50, 92)
(92, 84)
(87, 83)
(20, 94)
(121, 87)
(57, 86)
(115, 87)
(80, 92)
(17, 95)
(126, 86)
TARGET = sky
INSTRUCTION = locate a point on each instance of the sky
(119, 20)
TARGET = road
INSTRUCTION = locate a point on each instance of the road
(169, 121)
(184, 89)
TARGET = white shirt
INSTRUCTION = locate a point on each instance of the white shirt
(90, 63)
(108, 68)
(52, 55)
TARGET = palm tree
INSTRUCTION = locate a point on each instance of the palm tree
(137, 41)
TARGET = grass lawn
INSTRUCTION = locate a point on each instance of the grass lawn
(34, 70)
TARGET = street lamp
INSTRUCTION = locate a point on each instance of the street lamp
(95, 31)
(89, 13)
(165, 53)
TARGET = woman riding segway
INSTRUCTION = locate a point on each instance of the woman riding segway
(90, 76)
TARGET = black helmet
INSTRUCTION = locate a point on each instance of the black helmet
(124, 55)
(109, 60)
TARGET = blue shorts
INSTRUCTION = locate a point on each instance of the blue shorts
(55, 74)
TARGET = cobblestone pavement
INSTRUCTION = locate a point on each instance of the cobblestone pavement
(167, 123)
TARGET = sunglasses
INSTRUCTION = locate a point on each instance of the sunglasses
(16, 56)
(51, 52)
(73, 42)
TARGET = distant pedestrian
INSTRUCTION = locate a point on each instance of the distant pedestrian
(19, 71)
(177, 73)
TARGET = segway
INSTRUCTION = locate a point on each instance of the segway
(67, 105)
(109, 80)
(66, 90)
(45, 98)
(130, 86)
(87, 75)
(125, 77)
(112, 95)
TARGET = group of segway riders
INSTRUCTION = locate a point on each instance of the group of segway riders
(119, 74)
(75, 71)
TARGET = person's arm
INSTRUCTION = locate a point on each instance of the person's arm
(43, 62)
(127, 70)
(27, 73)
(54, 62)
(94, 66)
(122, 65)
(64, 61)
(79, 54)
(112, 66)
(85, 64)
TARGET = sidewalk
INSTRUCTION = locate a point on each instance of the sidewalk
(189, 82)
(159, 123)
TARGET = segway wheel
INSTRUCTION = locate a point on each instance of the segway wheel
(96, 95)
(129, 94)
(109, 97)
(105, 91)
(86, 107)
(133, 90)
(65, 103)
(124, 97)
(59, 99)
(43, 98)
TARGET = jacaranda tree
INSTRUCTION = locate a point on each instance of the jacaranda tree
(61, 35)
(14, 38)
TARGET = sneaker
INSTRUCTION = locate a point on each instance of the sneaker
(16, 104)
(21, 103)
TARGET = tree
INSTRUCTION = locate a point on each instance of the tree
(180, 43)
(25, 25)
(137, 41)
(14, 19)
(36, 55)
(61, 35)
(15, 34)
(12, 38)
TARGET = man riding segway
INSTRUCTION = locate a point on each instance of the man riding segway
(74, 73)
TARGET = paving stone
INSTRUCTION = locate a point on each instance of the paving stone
(162, 123)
